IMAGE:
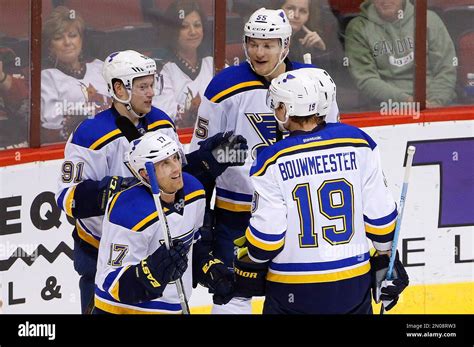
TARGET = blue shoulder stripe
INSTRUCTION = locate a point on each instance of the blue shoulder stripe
(233, 80)
(95, 133)
(157, 119)
(191, 184)
(320, 266)
(382, 220)
(333, 135)
(142, 201)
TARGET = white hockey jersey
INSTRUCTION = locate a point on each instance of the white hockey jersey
(96, 150)
(179, 89)
(63, 95)
(318, 196)
(235, 100)
(132, 232)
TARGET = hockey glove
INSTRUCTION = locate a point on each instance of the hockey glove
(250, 277)
(110, 185)
(162, 267)
(385, 290)
(221, 151)
(219, 279)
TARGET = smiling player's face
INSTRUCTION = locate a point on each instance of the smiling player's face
(169, 174)
(263, 54)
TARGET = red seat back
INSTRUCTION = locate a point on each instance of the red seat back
(15, 18)
(108, 14)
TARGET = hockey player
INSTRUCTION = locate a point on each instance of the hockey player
(235, 101)
(93, 167)
(134, 267)
(319, 194)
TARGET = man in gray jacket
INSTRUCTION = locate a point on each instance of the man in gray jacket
(380, 47)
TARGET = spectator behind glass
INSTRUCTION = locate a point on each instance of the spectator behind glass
(380, 47)
(304, 40)
(72, 87)
(14, 105)
(189, 69)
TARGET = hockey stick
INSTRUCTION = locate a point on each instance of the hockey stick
(410, 154)
(150, 169)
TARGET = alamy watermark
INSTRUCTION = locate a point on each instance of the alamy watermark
(28, 250)
(400, 108)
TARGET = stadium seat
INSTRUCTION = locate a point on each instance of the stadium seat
(234, 53)
(109, 14)
(14, 18)
(345, 7)
(206, 5)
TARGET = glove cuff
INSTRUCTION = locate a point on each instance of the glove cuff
(145, 276)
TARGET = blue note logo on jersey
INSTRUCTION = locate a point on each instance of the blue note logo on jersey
(266, 126)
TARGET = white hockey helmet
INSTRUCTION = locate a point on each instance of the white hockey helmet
(304, 92)
(269, 24)
(126, 66)
(151, 147)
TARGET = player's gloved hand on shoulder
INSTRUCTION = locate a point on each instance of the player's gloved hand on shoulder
(221, 151)
(250, 277)
(387, 291)
(219, 279)
(163, 266)
(110, 185)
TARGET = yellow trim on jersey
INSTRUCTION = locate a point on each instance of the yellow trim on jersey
(229, 206)
(145, 220)
(114, 291)
(69, 200)
(112, 203)
(104, 306)
(165, 209)
(307, 145)
(319, 278)
(194, 194)
(105, 138)
(261, 245)
(86, 237)
(380, 231)
(158, 123)
(234, 88)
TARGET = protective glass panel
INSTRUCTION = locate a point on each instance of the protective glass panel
(14, 73)
(77, 37)
(184, 53)
(450, 70)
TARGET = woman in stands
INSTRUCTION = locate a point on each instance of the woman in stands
(72, 87)
(320, 42)
(189, 68)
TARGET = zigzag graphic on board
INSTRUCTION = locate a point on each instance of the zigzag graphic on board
(29, 259)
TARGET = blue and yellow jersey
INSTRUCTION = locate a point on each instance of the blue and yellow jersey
(318, 196)
(95, 150)
(132, 231)
(235, 100)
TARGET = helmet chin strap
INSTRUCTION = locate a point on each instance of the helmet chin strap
(167, 194)
(282, 59)
(129, 108)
